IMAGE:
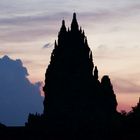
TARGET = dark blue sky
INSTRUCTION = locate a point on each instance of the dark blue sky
(18, 96)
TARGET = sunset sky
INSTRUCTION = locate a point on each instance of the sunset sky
(28, 29)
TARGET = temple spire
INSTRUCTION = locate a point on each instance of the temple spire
(63, 22)
(96, 73)
(74, 24)
(63, 27)
(55, 44)
(86, 43)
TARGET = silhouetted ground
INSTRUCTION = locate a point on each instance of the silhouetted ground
(16, 133)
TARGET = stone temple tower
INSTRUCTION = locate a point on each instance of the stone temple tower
(74, 97)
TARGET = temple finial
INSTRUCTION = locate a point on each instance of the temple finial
(96, 73)
(86, 42)
(80, 29)
(63, 27)
(63, 22)
(74, 15)
(74, 24)
(83, 32)
(55, 44)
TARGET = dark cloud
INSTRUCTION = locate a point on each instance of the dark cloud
(48, 45)
(34, 19)
(96, 15)
(18, 96)
(34, 26)
(117, 14)
(26, 35)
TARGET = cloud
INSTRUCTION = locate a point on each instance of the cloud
(102, 47)
(103, 52)
(125, 86)
(105, 14)
(37, 24)
(18, 96)
(48, 45)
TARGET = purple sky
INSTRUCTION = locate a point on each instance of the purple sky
(112, 29)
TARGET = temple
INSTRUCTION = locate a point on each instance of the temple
(74, 97)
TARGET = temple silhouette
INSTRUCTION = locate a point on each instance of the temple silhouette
(75, 100)
(77, 105)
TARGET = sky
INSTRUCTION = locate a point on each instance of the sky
(28, 29)
(18, 96)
